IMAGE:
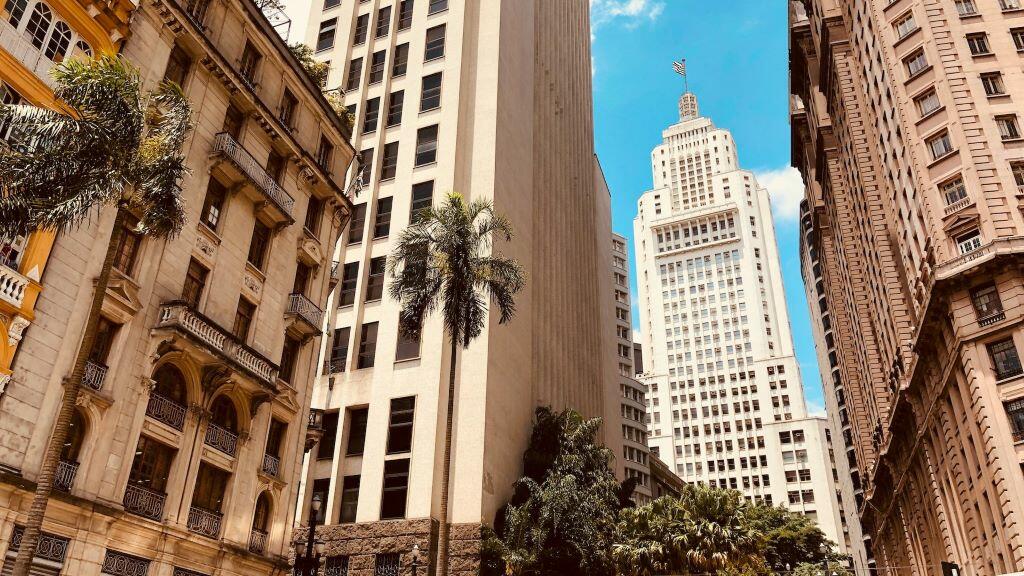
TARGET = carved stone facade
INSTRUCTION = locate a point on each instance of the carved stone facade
(905, 129)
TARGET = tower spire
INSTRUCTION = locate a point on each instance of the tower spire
(688, 108)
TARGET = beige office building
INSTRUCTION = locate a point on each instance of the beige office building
(186, 448)
(490, 98)
(906, 127)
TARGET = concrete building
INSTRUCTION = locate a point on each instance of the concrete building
(490, 98)
(664, 481)
(185, 453)
(905, 127)
(724, 398)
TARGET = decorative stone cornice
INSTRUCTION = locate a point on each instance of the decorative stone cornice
(16, 329)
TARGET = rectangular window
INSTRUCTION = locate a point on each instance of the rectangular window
(422, 198)
(127, 248)
(940, 145)
(1007, 5)
(151, 465)
(339, 349)
(978, 44)
(375, 285)
(325, 37)
(349, 499)
(1015, 411)
(276, 165)
(389, 161)
(916, 63)
(325, 448)
(259, 244)
(383, 22)
(195, 283)
(430, 94)
(314, 215)
(426, 145)
(178, 65)
(395, 102)
(244, 315)
(377, 66)
(1018, 175)
(1005, 359)
(355, 71)
(436, 6)
(289, 357)
(382, 221)
(349, 280)
(966, 8)
(275, 437)
(969, 242)
(105, 333)
(289, 103)
(303, 272)
(321, 487)
(401, 62)
(249, 63)
(927, 103)
(370, 115)
(324, 153)
(234, 119)
(435, 44)
(905, 25)
(367, 345)
(357, 223)
(357, 418)
(362, 26)
(1008, 128)
(405, 15)
(993, 84)
(328, 4)
(395, 491)
(400, 425)
(953, 191)
(366, 166)
(986, 301)
(408, 348)
(1018, 38)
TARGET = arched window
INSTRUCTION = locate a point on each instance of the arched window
(223, 414)
(261, 518)
(39, 24)
(170, 383)
(14, 11)
(83, 49)
(60, 39)
(73, 442)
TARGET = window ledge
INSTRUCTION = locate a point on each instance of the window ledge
(407, 360)
(982, 55)
(970, 16)
(434, 59)
(997, 96)
(949, 154)
(1012, 140)
(931, 114)
(430, 109)
(425, 165)
(918, 74)
(1010, 378)
(905, 37)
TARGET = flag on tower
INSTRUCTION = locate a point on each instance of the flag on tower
(680, 67)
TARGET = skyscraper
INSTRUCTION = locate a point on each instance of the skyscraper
(725, 401)
(490, 98)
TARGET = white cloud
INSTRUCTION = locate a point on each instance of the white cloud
(815, 408)
(786, 189)
(630, 12)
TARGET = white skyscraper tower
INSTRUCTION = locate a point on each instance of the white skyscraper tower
(725, 403)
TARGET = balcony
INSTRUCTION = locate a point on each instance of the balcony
(315, 430)
(335, 272)
(992, 318)
(95, 374)
(64, 477)
(178, 316)
(257, 541)
(166, 410)
(958, 205)
(271, 465)
(196, 11)
(204, 522)
(245, 166)
(334, 366)
(12, 286)
(310, 315)
(221, 439)
(23, 51)
(144, 502)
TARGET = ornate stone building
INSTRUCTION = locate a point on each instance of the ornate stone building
(905, 127)
(185, 453)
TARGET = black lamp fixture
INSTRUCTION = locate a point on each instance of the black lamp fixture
(309, 552)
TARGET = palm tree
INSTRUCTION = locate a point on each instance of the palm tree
(111, 145)
(444, 260)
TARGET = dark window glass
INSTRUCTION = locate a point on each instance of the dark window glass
(195, 282)
(437, 6)
(366, 165)
(430, 97)
(986, 301)
(250, 62)
(375, 286)
(377, 66)
(289, 356)
(349, 498)
(314, 214)
(275, 437)
(339, 349)
(276, 165)
(259, 244)
(401, 60)
(151, 464)
(210, 485)
(383, 22)
(288, 105)
(355, 71)
(435, 43)
(357, 419)
(382, 222)
(395, 102)
(367, 345)
(1015, 411)
(357, 223)
(426, 145)
(422, 198)
(389, 163)
(349, 280)
(321, 487)
(243, 319)
(370, 115)
(1005, 359)
(178, 66)
(213, 204)
(127, 248)
(400, 425)
(324, 152)
(405, 14)
(302, 275)
(325, 448)
(395, 489)
(331, 3)
(408, 348)
(105, 333)
(234, 119)
(362, 25)
(325, 37)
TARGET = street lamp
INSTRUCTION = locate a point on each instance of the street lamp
(415, 558)
(309, 564)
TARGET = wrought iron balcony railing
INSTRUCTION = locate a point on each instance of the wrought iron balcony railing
(233, 151)
(142, 501)
(257, 541)
(304, 308)
(64, 478)
(166, 410)
(271, 465)
(94, 375)
(221, 439)
(205, 522)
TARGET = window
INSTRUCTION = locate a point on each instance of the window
(303, 272)
(1015, 411)
(1008, 129)
(234, 119)
(127, 248)
(905, 25)
(1005, 359)
(357, 223)
(785, 437)
(105, 333)
(250, 62)
(362, 25)
(966, 8)
(435, 43)
(178, 66)
(259, 244)
(276, 165)
(437, 6)
(356, 431)
(978, 43)
(377, 66)
(1018, 38)
(383, 22)
(1009, 4)
(395, 491)
(151, 465)
(370, 115)
(325, 38)
(355, 70)
(367, 345)
(275, 437)
(366, 165)
(405, 15)
(349, 499)
(382, 221)
(927, 103)
(288, 105)
(430, 95)
(389, 162)
(375, 286)
(401, 60)
(953, 191)
(325, 448)
(969, 242)
(422, 198)
(244, 314)
(195, 282)
(289, 358)
(328, 4)
(14, 11)
(940, 145)
(986, 301)
(38, 24)
(321, 487)
(916, 63)
(314, 215)
(60, 39)
(324, 152)
(408, 348)
(339, 348)
(395, 102)
(400, 425)
(993, 84)
(1018, 175)
(426, 145)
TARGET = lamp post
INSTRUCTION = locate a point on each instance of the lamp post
(415, 553)
(309, 564)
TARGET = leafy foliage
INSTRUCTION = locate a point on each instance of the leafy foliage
(789, 539)
(808, 569)
(316, 70)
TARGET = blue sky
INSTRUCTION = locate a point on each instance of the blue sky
(736, 56)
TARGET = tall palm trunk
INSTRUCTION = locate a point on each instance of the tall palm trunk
(442, 556)
(44, 483)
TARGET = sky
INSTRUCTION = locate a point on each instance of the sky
(737, 60)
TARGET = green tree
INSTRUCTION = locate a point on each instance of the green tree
(789, 538)
(444, 260)
(316, 70)
(112, 145)
(817, 569)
